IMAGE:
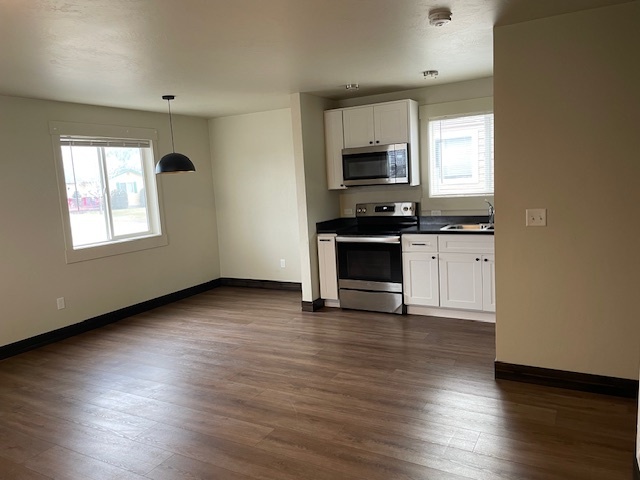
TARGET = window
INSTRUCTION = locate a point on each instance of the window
(461, 155)
(109, 198)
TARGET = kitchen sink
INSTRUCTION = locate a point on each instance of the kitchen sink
(470, 227)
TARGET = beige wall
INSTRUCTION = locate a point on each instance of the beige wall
(32, 251)
(443, 93)
(448, 99)
(567, 111)
(315, 202)
(255, 191)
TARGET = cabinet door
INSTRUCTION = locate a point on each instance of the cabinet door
(420, 279)
(358, 127)
(328, 267)
(461, 281)
(489, 283)
(334, 143)
(391, 123)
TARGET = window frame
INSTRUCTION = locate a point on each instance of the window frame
(154, 238)
(431, 162)
(472, 205)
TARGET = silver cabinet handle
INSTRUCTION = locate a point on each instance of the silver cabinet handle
(391, 239)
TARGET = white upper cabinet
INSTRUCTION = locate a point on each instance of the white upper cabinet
(334, 143)
(380, 124)
(358, 127)
(391, 123)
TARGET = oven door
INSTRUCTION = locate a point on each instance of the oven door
(370, 273)
(370, 263)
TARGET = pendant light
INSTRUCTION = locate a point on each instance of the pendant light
(173, 162)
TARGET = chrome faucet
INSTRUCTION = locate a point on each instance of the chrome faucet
(492, 212)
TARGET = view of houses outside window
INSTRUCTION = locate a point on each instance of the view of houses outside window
(461, 156)
(106, 190)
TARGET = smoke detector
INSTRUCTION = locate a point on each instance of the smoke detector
(439, 17)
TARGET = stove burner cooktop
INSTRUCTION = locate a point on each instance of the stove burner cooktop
(384, 218)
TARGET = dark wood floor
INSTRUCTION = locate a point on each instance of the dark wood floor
(239, 384)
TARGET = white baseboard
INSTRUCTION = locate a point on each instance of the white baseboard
(436, 312)
(450, 313)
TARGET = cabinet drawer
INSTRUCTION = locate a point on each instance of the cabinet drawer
(466, 243)
(420, 243)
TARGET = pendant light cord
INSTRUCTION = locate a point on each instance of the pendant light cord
(173, 147)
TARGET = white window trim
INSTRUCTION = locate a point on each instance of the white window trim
(431, 158)
(466, 203)
(90, 252)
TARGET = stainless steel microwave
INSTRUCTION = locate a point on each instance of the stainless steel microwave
(376, 165)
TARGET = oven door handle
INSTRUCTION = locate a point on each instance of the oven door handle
(395, 239)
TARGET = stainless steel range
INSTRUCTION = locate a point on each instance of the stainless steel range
(370, 257)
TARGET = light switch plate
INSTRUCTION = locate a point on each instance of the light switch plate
(536, 217)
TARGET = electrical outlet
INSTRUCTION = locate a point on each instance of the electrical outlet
(283, 264)
(436, 213)
(60, 302)
(348, 211)
(536, 217)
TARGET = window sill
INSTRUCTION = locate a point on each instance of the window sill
(119, 248)
(463, 195)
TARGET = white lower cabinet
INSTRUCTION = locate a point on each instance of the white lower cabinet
(421, 285)
(489, 283)
(461, 281)
(328, 266)
(449, 271)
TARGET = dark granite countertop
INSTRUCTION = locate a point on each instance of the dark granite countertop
(336, 225)
(434, 224)
(425, 225)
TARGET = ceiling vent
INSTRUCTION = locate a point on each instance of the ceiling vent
(439, 17)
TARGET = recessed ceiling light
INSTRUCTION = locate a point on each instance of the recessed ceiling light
(430, 73)
(352, 86)
(439, 17)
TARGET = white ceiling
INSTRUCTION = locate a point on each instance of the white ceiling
(224, 57)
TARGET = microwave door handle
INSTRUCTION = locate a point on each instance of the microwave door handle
(391, 239)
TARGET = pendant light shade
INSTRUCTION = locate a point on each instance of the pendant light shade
(174, 162)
